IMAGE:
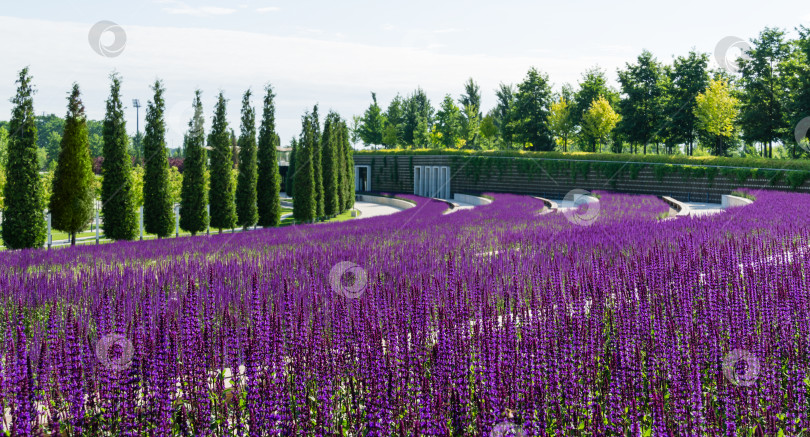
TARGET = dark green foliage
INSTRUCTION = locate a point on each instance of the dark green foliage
(470, 103)
(395, 123)
(450, 123)
(594, 85)
(193, 196)
(531, 111)
(372, 125)
(801, 100)
(246, 211)
(223, 208)
(687, 78)
(764, 114)
(330, 150)
(305, 206)
(71, 203)
(348, 167)
(316, 163)
(49, 137)
(291, 169)
(418, 118)
(340, 167)
(234, 150)
(642, 108)
(269, 180)
(504, 113)
(23, 218)
(158, 217)
(117, 202)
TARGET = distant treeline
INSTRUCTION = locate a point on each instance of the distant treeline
(757, 105)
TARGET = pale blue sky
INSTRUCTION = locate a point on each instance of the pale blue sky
(335, 53)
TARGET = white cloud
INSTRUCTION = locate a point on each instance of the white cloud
(449, 30)
(268, 9)
(181, 8)
(303, 70)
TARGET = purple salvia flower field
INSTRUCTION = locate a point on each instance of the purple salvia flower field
(499, 320)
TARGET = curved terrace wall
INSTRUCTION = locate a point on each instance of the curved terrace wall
(553, 178)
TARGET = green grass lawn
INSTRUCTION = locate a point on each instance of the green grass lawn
(59, 236)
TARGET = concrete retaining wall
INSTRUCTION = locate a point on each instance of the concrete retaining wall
(390, 201)
(729, 201)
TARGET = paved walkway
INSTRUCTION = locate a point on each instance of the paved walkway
(703, 209)
(367, 210)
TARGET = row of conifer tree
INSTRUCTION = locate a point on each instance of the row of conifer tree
(323, 176)
(321, 172)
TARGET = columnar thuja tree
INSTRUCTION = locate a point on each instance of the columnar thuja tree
(193, 196)
(304, 203)
(290, 179)
(223, 209)
(348, 166)
(117, 202)
(329, 164)
(157, 204)
(246, 211)
(340, 166)
(23, 218)
(268, 183)
(71, 203)
(316, 162)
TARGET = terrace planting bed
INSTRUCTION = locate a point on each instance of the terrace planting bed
(629, 325)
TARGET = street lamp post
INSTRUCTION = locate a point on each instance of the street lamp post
(137, 104)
